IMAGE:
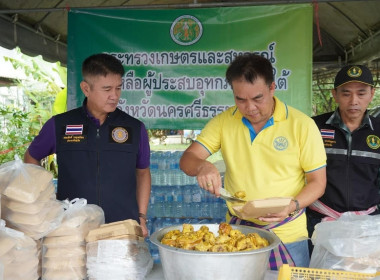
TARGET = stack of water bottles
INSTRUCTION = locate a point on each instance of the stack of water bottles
(176, 198)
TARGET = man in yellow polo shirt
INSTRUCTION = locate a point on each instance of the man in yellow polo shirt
(269, 149)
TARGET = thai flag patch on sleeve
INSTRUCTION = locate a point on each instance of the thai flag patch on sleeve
(74, 129)
(328, 133)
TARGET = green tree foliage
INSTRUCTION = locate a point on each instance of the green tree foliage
(20, 125)
(14, 133)
(323, 100)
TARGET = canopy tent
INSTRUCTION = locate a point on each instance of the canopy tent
(344, 31)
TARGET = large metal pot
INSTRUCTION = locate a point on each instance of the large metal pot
(180, 264)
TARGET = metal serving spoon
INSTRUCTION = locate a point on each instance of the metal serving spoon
(226, 195)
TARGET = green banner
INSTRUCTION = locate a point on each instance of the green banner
(175, 60)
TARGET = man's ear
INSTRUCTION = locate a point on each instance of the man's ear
(272, 88)
(85, 87)
(372, 92)
(334, 94)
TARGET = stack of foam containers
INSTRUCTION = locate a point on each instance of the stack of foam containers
(18, 255)
(64, 249)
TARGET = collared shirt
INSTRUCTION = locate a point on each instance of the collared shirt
(353, 162)
(271, 164)
(336, 120)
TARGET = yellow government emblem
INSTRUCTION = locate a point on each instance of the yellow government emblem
(354, 72)
(373, 141)
(119, 134)
(186, 30)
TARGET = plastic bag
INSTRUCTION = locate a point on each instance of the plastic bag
(63, 250)
(350, 243)
(38, 227)
(18, 255)
(118, 259)
(79, 218)
(22, 181)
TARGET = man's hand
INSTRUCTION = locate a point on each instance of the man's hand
(209, 177)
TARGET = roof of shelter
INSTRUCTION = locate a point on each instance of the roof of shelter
(344, 31)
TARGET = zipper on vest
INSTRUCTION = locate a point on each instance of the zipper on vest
(98, 166)
(349, 151)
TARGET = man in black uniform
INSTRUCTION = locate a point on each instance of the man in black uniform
(352, 143)
(103, 154)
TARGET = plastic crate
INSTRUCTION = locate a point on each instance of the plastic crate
(304, 273)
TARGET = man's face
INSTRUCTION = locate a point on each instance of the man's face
(255, 101)
(102, 92)
(353, 100)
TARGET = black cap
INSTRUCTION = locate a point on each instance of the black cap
(353, 73)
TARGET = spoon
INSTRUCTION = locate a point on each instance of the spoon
(226, 195)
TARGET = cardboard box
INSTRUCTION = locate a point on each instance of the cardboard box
(261, 207)
(114, 230)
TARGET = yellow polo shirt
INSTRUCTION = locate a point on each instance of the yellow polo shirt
(273, 164)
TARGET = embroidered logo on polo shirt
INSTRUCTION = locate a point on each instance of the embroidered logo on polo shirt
(373, 141)
(119, 134)
(280, 143)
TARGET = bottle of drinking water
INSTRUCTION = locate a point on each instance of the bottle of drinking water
(187, 200)
(159, 200)
(178, 202)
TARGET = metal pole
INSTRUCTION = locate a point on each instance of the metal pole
(175, 6)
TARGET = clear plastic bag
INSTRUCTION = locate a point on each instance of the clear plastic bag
(79, 218)
(118, 259)
(350, 243)
(63, 250)
(18, 255)
(41, 227)
(22, 181)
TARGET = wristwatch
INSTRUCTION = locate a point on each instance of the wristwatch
(297, 208)
(141, 215)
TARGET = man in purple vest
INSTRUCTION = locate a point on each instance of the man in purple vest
(103, 154)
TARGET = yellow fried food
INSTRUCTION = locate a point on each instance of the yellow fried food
(222, 238)
(240, 194)
(228, 240)
(258, 240)
(169, 242)
(187, 228)
(172, 234)
(203, 247)
(224, 228)
(235, 233)
(219, 248)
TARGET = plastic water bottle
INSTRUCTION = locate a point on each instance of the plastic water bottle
(159, 194)
(172, 161)
(223, 210)
(153, 161)
(178, 202)
(196, 193)
(168, 201)
(187, 200)
(177, 157)
(215, 213)
(205, 210)
(161, 161)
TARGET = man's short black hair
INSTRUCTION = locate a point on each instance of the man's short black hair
(101, 65)
(250, 66)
